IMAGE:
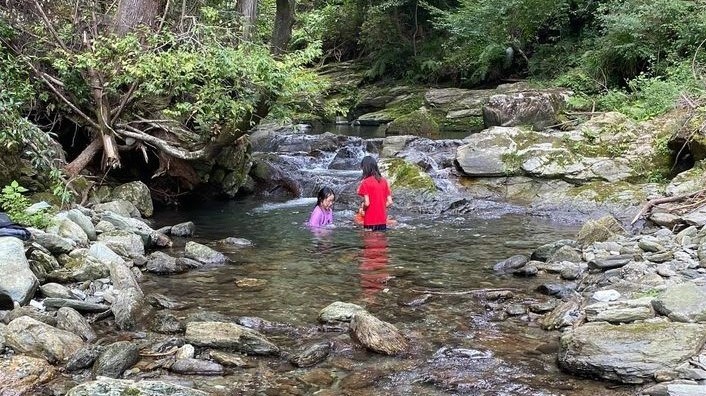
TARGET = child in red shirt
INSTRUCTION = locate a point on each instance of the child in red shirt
(376, 196)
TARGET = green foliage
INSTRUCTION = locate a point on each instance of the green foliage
(15, 204)
(645, 96)
(640, 36)
(485, 37)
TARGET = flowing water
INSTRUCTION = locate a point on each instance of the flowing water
(460, 343)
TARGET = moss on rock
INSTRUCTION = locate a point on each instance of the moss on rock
(402, 174)
(418, 123)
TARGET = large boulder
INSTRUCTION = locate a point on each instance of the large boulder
(629, 353)
(138, 193)
(34, 338)
(538, 109)
(485, 154)
(229, 336)
(17, 281)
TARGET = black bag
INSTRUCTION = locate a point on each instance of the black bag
(8, 228)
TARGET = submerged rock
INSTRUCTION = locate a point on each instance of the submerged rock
(311, 355)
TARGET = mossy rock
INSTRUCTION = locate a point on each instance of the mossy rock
(402, 174)
(418, 123)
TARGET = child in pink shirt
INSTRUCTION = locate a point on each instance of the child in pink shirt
(322, 215)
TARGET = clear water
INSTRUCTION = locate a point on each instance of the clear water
(305, 271)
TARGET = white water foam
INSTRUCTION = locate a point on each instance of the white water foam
(292, 203)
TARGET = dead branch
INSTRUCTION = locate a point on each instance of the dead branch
(129, 131)
(124, 100)
(49, 26)
(462, 293)
(657, 201)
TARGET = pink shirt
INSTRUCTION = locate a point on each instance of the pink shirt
(320, 217)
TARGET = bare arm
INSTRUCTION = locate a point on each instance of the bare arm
(389, 200)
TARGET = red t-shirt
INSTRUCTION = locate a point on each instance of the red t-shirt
(377, 192)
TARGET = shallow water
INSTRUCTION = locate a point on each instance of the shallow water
(486, 353)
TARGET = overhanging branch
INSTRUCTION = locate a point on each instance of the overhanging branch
(132, 132)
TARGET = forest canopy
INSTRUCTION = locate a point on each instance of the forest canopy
(176, 82)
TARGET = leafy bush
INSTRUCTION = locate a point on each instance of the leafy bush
(640, 36)
(15, 204)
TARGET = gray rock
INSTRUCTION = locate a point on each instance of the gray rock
(162, 263)
(17, 281)
(84, 222)
(377, 335)
(236, 242)
(203, 254)
(183, 229)
(629, 353)
(565, 314)
(31, 337)
(229, 336)
(610, 262)
(620, 311)
(676, 388)
(65, 228)
(120, 207)
(227, 359)
(543, 252)
(196, 367)
(483, 153)
(664, 219)
(138, 193)
(538, 109)
(685, 302)
(52, 242)
(565, 253)
(339, 312)
(55, 290)
(81, 306)
(125, 243)
(70, 320)
(606, 295)
(116, 358)
(108, 386)
(511, 263)
(311, 355)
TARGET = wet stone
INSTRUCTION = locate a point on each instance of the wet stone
(610, 262)
(515, 309)
(542, 307)
(499, 295)
(311, 355)
(228, 359)
(196, 367)
(414, 300)
(659, 257)
(251, 283)
(317, 377)
(361, 379)
(527, 270)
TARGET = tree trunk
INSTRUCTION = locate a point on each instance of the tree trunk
(132, 13)
(248, 9)
(84, 158)
(282, 31)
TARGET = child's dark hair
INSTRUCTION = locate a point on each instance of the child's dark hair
(370, 167)
(324, 193)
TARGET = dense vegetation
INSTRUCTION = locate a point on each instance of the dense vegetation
(175, 82)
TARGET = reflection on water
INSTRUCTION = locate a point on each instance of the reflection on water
(306, 270)
(373, 263)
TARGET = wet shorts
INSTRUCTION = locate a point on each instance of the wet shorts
(377, 227)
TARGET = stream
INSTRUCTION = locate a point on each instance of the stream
(410, 276)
